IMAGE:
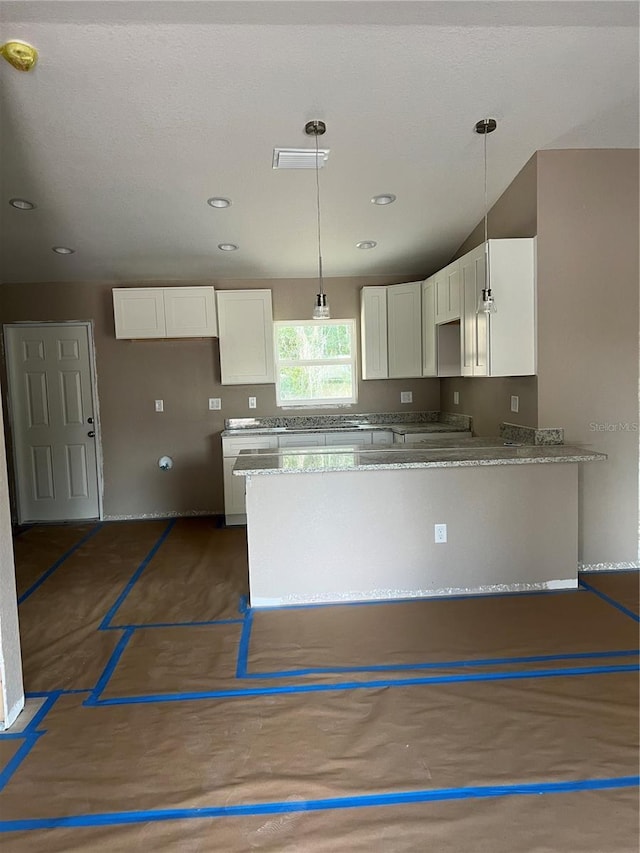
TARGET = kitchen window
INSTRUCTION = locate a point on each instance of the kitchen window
(315, 362)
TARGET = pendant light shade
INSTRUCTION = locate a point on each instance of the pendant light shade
(321, 305)
(486, 301)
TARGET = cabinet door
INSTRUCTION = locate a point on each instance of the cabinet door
(304, 440)
(373, 332)
(382, 436)
(404, 332)
(245, 323)
(190, 312)
(234, 489)
(139, 312)
(447, 293)
(336, 439)
(429, 353)
(474, 338)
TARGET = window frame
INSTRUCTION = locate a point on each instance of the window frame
(322, 402)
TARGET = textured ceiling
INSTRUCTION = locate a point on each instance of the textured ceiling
(138, 112)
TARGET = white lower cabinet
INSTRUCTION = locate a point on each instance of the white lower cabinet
(337, 439)
(412, 437)
(315, 439)
(234, 487)
(381, 436)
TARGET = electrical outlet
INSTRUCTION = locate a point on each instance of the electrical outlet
(215, 403)
(515, 403)
(456, 398)
(440, 533)
(406, 396)
(252, 402)
(159, 404)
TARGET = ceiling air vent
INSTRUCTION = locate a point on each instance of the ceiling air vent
(299, 158)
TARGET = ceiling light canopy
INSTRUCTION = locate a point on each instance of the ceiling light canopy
(366, 244)
(18, 53)
(21, 204)
(385, 198)
(63, 250)
(218, 201)
(227, 247)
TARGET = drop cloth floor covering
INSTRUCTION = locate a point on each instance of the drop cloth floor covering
(174, 718)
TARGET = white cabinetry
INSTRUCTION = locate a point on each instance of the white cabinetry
(447, 293)
(504, 343)
(429, 352)
(381, 436)
(404, 330)
(339, 439)
(245, 321)
(373, 329)
(164, 312)
(234, 487)
(315, 439)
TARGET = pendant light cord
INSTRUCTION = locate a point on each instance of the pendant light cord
(487, 283)
(320, 277)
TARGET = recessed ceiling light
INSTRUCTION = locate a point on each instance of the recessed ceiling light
(366, 244)
(227, 247)
(21, 203)
(218, 201)
(385, 198)
(63, 250)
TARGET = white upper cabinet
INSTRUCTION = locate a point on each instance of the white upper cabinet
(429, 351)
(447, 293)
(373, 332)
(504, 343)
(164, 312)
(404, 330)
(245, 322)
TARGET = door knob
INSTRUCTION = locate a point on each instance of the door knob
(91, 433)
(89, 420)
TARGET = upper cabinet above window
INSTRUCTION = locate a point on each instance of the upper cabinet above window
(165, 312)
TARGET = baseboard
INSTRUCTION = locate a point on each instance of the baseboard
(607, 567)
(145, 516)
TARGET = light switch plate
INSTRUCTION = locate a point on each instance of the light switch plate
(159, 405)
(515, 403)
(456, 398)
(215, 403)
(406, 396)
(252, 402)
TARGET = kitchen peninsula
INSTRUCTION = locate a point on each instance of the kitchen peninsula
(339, 524)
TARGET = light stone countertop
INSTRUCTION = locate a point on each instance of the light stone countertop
(449, 453)
(399, 429)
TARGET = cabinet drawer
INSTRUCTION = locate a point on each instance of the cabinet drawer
(335, 439)
(301, 440)
(233, 446)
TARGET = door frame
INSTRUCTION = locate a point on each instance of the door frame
(88, 324)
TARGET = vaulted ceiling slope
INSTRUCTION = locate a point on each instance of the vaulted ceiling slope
(138, 112)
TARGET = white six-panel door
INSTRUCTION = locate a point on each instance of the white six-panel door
(52, 417)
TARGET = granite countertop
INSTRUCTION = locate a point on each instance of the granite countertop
(447, 454)
(400, 423)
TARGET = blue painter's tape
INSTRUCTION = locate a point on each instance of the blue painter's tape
(243, 604)
(19, 756)
(243, 647)
(330, 803)
(110, 667)
(143, 625)
(363, 685)
(136, 575)
(611, 601)
(47, 574)
(403, 667)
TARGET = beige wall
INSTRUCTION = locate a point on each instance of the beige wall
(588, 332)
(184, 373)
(488, 400)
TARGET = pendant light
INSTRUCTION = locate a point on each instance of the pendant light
(321, 307)
(486, 302)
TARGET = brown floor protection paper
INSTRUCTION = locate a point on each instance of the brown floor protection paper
(624, 587)
(283, 747)
(585, 822)
(37, 548)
